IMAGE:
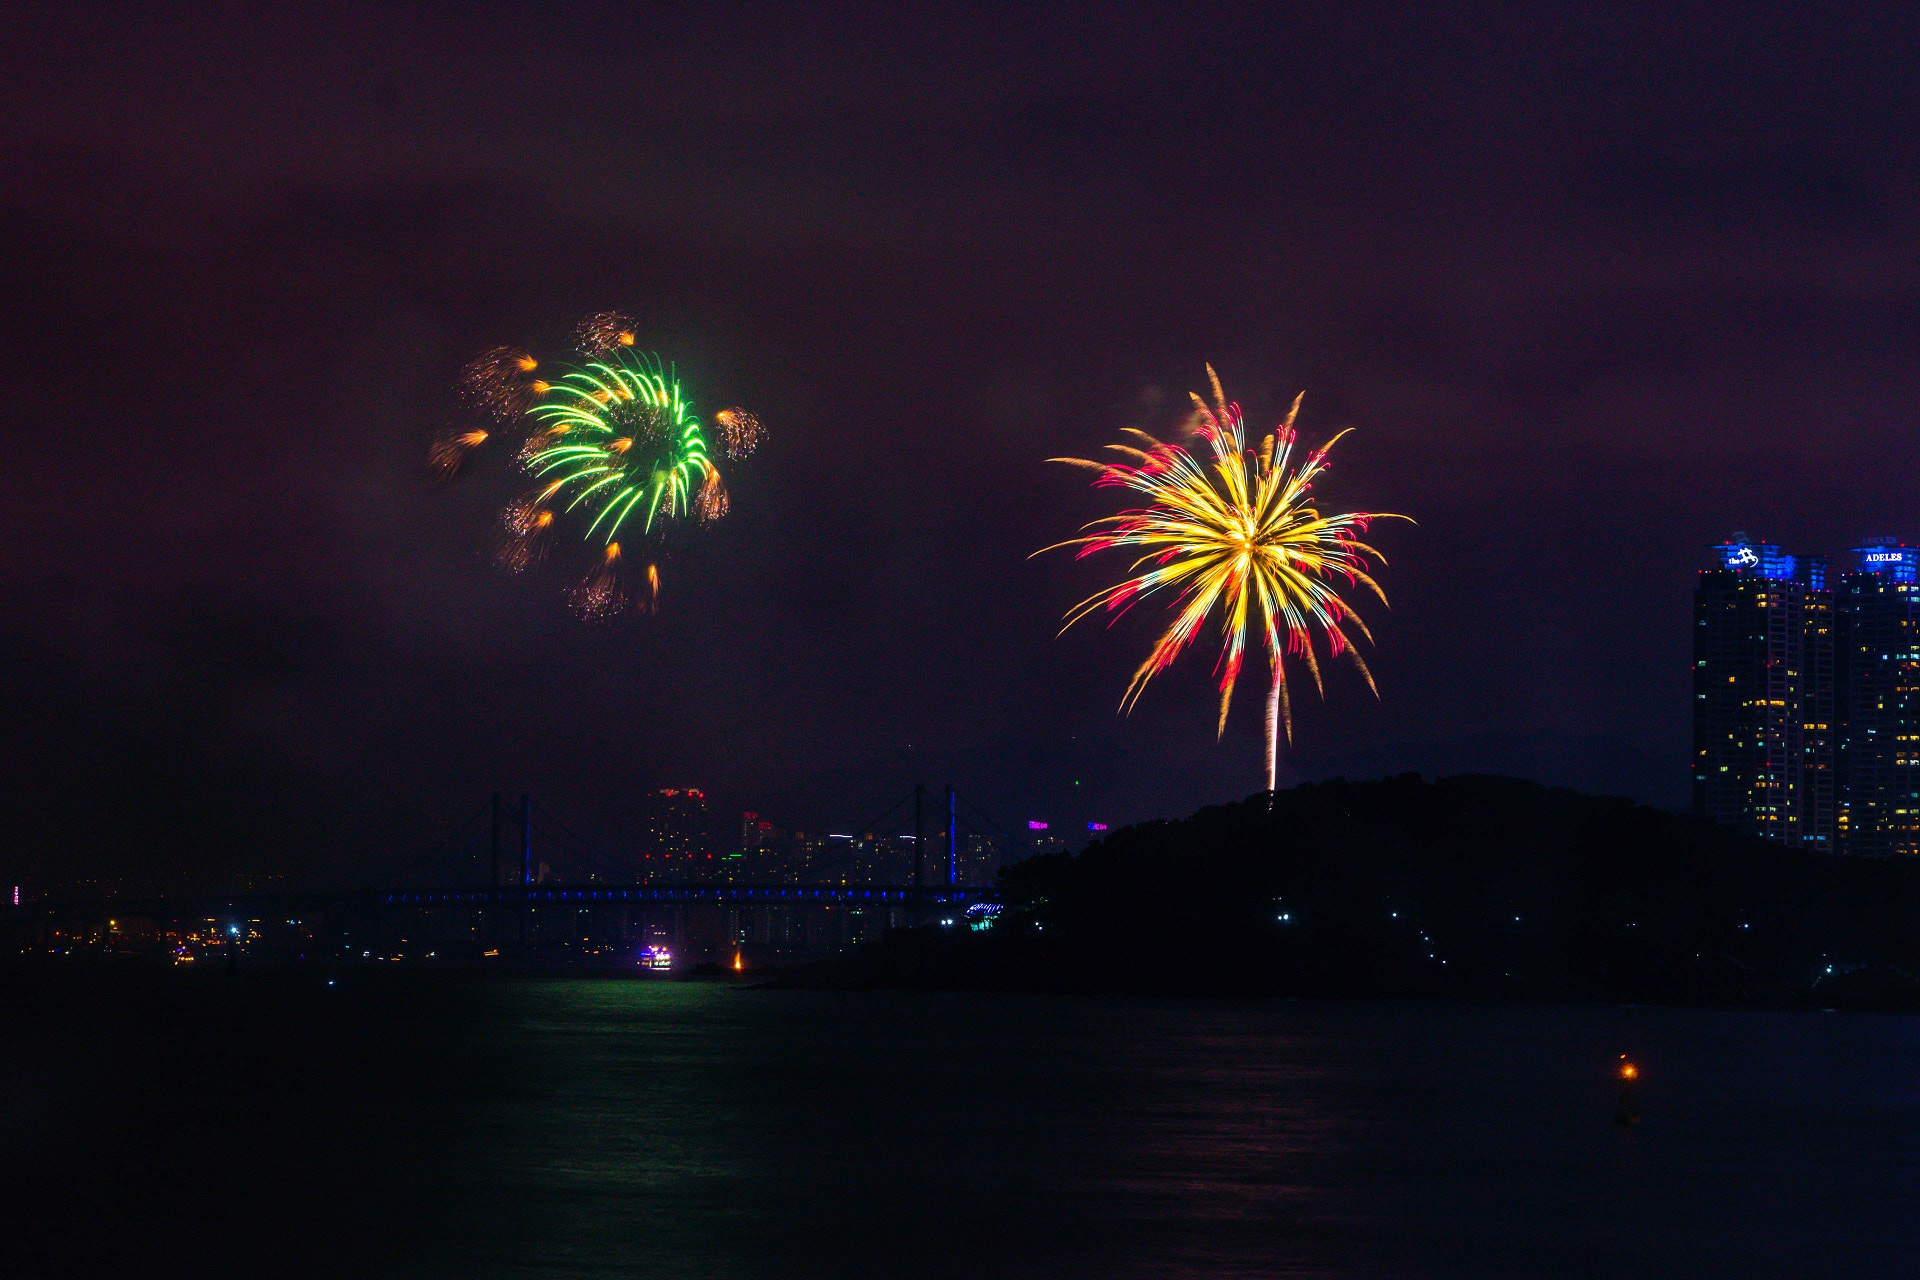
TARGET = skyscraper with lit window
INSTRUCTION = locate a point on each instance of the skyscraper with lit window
(1877, 611)
(675, 835)
(1763, 694)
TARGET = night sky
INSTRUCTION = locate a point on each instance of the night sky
(1595, 290)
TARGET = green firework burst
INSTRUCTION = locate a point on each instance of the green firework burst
(617, 441)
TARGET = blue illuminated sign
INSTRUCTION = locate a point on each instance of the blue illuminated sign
(1902, 564)
(1763, 558)
(1766, 560)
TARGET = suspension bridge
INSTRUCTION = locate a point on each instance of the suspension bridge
(516, 881)
(936, 871)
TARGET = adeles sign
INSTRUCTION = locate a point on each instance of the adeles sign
(1885, 557)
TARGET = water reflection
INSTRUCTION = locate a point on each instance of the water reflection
(686, 1129)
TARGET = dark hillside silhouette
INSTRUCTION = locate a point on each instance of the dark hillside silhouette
(1467, 886)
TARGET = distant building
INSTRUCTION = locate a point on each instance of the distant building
(1048, 842)
(772, 856)
(868, 858)
(674, 839)
(1878, 617)
(1806, 700)
(980, 859)
(763, 851)
(1763, 688)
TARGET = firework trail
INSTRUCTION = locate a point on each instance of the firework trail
(1235, 528)
(603, 594)
(712, 502)
(448, 454)
(528, 529)
(599, 336)
(615, 449)
(740, 432)
(499, 383)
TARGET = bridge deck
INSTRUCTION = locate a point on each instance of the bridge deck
(776, 895)
(736, 894)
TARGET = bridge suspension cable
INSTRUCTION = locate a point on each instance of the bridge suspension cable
(833, 858)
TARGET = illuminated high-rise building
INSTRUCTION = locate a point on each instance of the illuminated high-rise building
(676, 833)
(1820, 719)
(979, 858)
(1763, 694)
(1877, 612)
(1806, 702)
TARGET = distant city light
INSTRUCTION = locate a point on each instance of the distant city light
(1035, 826)
(1096, 826)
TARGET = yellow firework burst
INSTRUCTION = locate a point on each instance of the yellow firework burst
(1234, 528)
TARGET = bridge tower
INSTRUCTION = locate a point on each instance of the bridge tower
(493, 843)
(953, 837)
(919, 830)
(526, 838)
